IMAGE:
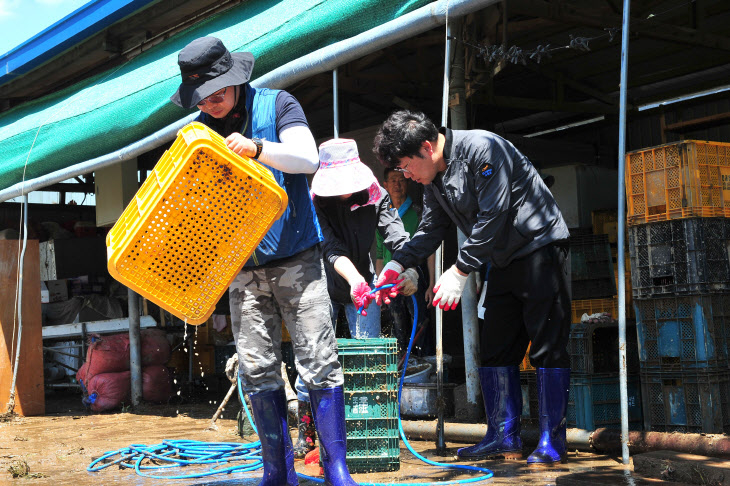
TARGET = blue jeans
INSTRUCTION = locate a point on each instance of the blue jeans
(367, 327)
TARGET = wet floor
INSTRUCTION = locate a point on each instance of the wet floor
(58, 447)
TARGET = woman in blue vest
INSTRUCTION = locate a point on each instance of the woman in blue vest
(284, 278)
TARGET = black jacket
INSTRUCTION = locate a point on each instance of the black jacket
(494, 195)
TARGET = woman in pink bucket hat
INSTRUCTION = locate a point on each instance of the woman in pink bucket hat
(351, 206)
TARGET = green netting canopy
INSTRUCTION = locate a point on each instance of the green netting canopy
(111, 110)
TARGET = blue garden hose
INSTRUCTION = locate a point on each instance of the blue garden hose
(217, 455)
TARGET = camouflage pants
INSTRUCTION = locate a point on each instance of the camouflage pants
(295, 291)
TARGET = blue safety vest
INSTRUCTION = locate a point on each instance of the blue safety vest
(298, 228)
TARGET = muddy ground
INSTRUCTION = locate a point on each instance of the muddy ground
(60, 445)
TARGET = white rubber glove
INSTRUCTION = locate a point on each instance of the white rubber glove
(449, 288)
(409, 285)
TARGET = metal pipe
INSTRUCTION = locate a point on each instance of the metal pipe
(470, 326)
(611, 440)
(473, 433)
(600, 440)
(335, 103)
(319, 61)
(621, 238)
(440, 443)
(135, 347)
(470, 297)
(19, 293)
(62, 385)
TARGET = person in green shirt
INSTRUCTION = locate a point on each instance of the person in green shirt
(401, 308)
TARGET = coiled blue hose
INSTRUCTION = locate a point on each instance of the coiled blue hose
(177, 453)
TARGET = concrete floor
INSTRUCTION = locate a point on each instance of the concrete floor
(58, 447)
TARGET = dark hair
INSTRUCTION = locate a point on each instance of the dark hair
(402, 135)
(387, 171)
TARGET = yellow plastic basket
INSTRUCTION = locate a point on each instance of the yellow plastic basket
(193, 224)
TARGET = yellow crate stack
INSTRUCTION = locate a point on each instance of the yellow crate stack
(193, 224)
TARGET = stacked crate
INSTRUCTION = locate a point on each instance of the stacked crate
(679, 231)
(594, 399)
(370, 367)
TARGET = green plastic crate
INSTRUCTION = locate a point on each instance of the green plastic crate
(370, 367)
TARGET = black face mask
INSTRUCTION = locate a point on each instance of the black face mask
(359, 198)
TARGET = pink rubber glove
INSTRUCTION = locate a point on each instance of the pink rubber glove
(361, 296)
(389, 275)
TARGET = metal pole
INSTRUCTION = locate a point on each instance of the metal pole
(336, 103)
(621, 238)
(470, 297)
(135, 347)
(440, 443)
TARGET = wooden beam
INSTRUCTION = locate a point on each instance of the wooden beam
(569, 14)
(699, 123)
(576, 85)
(544, 105)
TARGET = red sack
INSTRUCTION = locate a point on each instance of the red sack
(156, 383)
(107, 391)
(155, 347)
(108, 354)
(81, 374)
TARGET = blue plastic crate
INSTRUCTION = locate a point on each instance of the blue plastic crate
(690, 402)
(370, 367)
(595, 402)
(683, 333)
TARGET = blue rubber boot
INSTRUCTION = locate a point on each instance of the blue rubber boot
(553, 386)
(270, 413)
(503, 405)
(328, 408)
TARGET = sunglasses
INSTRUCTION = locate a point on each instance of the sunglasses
(214, 99)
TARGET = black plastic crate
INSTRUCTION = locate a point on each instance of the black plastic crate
(683, 333)
(689, 402)
(591, 267)
(682, 256)
(593, 347)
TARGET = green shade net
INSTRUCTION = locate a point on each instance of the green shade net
(111, 110)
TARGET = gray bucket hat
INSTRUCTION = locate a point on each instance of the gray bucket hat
(206, 66)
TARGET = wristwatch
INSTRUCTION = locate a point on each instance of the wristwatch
(259, 146)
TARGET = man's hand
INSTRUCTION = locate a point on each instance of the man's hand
(409, 284)
(389, 275)
(428, 296)
(241, 145)
(449, 288)
(361, 296)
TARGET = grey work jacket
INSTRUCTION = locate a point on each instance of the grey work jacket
(494, 195)
(351, 233)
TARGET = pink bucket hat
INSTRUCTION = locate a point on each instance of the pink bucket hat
(340, 170)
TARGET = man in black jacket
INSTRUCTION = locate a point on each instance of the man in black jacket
(517, 236)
